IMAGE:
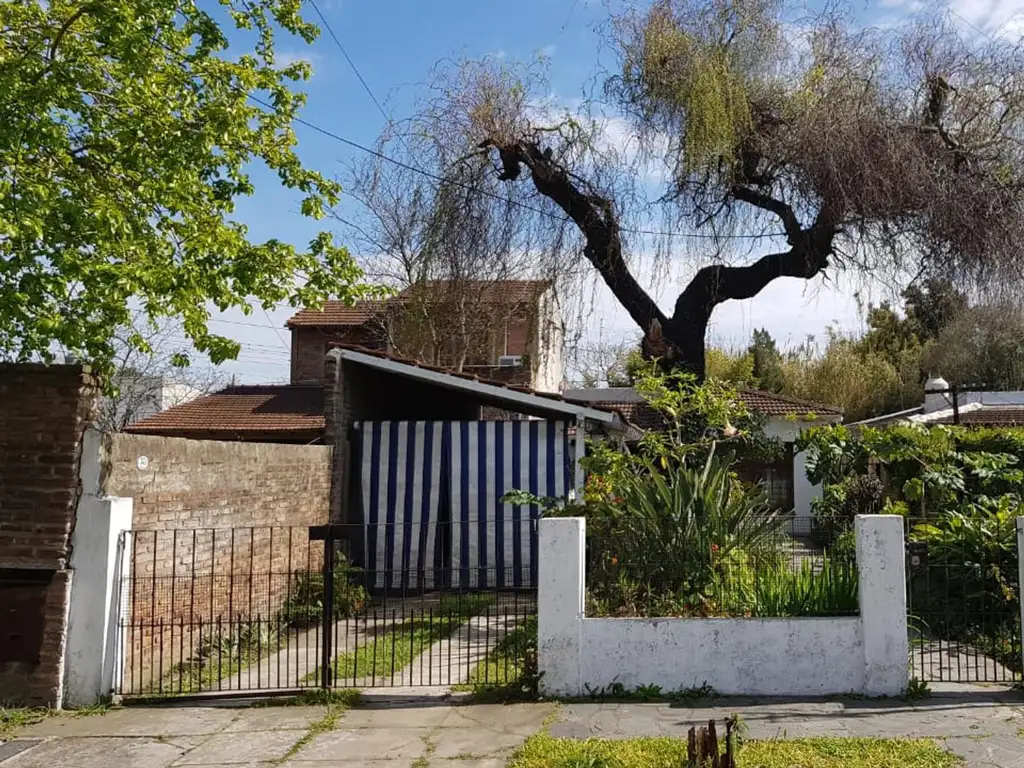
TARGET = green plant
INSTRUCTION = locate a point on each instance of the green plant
(510, 671)
(917, 689)
(305, 602)
(828, 589)
(671, 533)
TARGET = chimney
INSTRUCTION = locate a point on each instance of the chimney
(936, 395)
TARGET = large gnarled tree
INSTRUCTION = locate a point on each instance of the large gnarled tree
(866, 149)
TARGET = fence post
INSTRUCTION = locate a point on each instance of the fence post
(93, 663)
(560, 600)
(327, 652)
(1020, 578)
(881, 565)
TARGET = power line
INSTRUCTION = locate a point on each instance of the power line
(351, 63)
(440, 179)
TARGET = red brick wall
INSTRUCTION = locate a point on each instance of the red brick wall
(309, 345)
(219, 529)
(43, 414)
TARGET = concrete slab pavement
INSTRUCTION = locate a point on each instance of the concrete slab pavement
(413, 728)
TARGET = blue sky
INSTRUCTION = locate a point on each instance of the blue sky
(395, 43)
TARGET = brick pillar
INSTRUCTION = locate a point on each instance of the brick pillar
(334, 433)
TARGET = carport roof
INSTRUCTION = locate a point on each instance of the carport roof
(509, 396)
(254, 412)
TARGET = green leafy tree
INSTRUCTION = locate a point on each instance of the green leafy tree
(127, 133)
(767, 362)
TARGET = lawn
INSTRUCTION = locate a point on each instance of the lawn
(509, 671)
(388, 653)
(544, 751)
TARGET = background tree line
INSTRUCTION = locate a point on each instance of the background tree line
(936, 330)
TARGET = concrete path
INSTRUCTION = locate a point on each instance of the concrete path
(413, 728)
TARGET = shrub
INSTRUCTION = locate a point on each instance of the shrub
(840, 503)
(305, 604)
(667, 536)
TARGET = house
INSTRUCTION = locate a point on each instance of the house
(139, 397)
(785, 479)
(503, 330)
(944, 404)
(416, 473)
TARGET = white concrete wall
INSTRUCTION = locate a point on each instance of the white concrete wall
(549, 343)
(867, 654)
(92, 655)
(788, 430)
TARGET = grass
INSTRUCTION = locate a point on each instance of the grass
(14, 718)
(390, 652)
(546, 751)
(345, 698)
(219, 656)
(510, 670)
(336, 703)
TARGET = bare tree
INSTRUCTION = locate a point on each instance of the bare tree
(151, 373)
(438, 226)
(892, 151)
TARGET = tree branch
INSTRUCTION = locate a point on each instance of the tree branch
(770, 204)
(594, 216)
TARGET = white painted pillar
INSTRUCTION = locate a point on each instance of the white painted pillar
(1020, 575)
(881, 562)
(560, 600)
(94, 652)
(579, 451)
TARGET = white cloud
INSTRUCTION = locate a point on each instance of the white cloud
(548, 50)
(994, 18)
(498, 54)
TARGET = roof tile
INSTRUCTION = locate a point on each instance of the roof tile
(265, 408)
(339, 314)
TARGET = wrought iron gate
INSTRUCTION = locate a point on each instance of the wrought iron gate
(244, 610)
(963, 602)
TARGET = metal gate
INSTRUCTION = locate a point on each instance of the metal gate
(244, 610)
(963, 602)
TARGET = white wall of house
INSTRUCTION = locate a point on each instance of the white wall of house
(549, 343)
(787, 430)
(784, 657)
(143, 396)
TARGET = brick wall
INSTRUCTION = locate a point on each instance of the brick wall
(309, 345)
(219, 530)
(43, 414)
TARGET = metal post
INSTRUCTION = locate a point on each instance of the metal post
(956, 405)
(327, 654)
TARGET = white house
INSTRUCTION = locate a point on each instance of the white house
(785, 480)
(139, 397)
(971, 408)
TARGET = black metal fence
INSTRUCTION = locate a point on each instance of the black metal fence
(275, 608)
(963, 602)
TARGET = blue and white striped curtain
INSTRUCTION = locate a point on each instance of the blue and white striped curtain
(402, 491)
(420, 479)
(495, 544)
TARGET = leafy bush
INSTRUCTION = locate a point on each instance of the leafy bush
(834, 512)
(830, 589)
(305, 603)
(972, 558)
(669, 535)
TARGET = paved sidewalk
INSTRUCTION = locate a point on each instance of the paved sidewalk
(413, 728)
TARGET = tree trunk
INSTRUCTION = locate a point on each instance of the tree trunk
(677, 341)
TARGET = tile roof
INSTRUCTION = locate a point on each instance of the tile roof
(264, 409)
(782, 405)
(635, 409)
(336, 313)
(284, 407)
(987, 416)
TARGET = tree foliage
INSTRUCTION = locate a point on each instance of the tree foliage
(126, 136)
(866, 149)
